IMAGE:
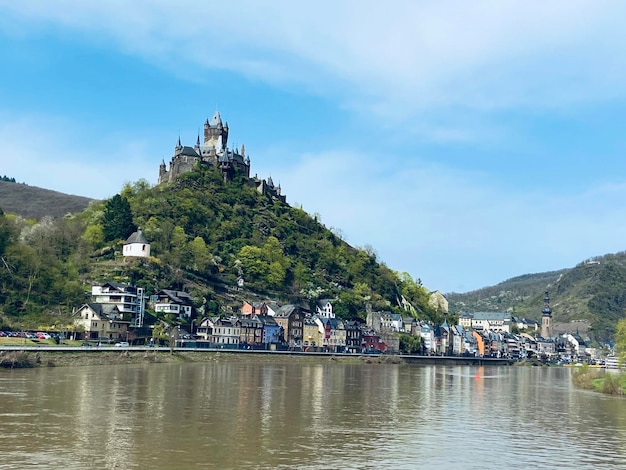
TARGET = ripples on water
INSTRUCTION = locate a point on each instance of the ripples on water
(306, 416)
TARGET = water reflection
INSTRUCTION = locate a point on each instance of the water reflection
(233, 415)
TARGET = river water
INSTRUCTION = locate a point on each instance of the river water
(306, 416)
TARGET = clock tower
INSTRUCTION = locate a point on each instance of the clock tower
(546, 318)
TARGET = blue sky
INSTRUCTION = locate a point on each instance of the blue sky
(466, 142)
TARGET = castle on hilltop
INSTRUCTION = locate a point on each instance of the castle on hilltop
(214, 151)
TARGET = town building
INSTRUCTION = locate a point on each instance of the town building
(324, 308)
(101, 322)
(227, 332)
(251, 331)
(354, 336)
(291, 318)
(489, 321)
(254, 308)
(272, 331)
(128, 299)
(178, 303)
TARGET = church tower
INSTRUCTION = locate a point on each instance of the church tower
(546, 318)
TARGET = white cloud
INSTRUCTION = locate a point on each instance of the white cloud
(396, 58)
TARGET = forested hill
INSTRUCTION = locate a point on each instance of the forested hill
(589, 298)
(206, 236)
(33, 202)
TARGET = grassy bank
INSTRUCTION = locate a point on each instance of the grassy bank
(26, 359)
(600, 380)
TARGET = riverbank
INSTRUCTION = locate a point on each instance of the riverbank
(35, 358)
(600, 380)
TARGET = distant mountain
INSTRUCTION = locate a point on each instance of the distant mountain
(33, 203)
(589, 298)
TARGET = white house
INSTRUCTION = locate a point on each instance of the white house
(136, 245)
(226, 331)
(324, 308)
(486, 321)
(128, 299)
(175, 302)
(272, 308)
(428, 336)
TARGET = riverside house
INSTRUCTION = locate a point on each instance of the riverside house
(101, 322)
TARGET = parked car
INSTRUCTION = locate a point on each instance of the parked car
(122, 344)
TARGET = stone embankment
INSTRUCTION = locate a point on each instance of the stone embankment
(37, 357)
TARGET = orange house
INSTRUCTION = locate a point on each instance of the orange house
(480, 343)
(254, 308)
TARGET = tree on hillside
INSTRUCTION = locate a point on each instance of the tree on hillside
(117, 219)
(5, 232)
(620, 341)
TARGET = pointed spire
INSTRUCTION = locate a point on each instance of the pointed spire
(243, 150)
(216, 120)
(547, 311)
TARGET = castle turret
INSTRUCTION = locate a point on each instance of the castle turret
(162, 172)
(215, 134)
(546, 318)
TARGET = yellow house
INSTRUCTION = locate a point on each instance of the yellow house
(102, 322)
(312, 337)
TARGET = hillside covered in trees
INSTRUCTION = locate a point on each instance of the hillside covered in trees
(589, 298)
(207, 237)
(33, 202)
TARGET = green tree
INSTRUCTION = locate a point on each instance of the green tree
(5, 232)
(253, 263)
(94, 235)
(410, 344)
(620, 341)
(276, 274)
(117, 219)
(200, 255)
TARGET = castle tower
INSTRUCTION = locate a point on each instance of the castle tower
(546, 318)
(215, 133)
(162, 172)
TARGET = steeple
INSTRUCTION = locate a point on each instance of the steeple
(216, 120)
(546, 318)
(546, 311)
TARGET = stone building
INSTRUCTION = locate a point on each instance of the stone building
(213, 150)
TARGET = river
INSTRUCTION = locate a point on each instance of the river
(306, 416)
